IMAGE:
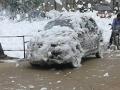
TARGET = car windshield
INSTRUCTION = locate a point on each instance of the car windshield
(85, 23)
(58, 22)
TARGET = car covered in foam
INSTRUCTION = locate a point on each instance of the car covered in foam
(65, 39)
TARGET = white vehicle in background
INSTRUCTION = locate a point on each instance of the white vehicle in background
(66, 39)
(104, 10)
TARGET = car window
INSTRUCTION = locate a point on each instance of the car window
(58, 22)
(91, 24)
(84, 23)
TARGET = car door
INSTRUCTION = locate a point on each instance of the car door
(93, 33)
(84, 37)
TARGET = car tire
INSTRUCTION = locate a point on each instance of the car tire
(76, 63)
(99, 54)
(34, 65)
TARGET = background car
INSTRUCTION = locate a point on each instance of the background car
(66, 40)
(104, 10)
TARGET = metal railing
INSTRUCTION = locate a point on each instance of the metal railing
(23, 39)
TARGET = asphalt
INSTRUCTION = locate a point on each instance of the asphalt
(95, 74)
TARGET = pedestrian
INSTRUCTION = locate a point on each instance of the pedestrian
(115, 28)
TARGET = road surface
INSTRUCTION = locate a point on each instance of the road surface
(95, 74)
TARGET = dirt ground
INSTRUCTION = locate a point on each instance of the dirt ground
(95, 74)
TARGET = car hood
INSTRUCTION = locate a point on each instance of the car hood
(56, 35)
(62, 42)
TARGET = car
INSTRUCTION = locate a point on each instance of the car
(104, 10)
(104, 14)
(66, 39)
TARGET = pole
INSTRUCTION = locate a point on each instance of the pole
(24, 45)
(66, 5)
(55, 5)
(74, 4)
(113, 4)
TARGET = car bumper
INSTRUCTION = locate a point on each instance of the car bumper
(49, 61)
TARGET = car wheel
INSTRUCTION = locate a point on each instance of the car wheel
(34, 65)
(99, 54)
(76, 63)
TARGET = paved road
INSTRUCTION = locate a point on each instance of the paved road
(95, 74)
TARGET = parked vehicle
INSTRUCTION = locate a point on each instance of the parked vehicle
(66, 40)
(104, 14)
(104, 10)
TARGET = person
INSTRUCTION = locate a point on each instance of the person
(116, 22)
(115, 26)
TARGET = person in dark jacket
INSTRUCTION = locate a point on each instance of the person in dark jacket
(116, 22)
(115, 27)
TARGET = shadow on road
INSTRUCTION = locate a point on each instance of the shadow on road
(87, 59)
(59, 66)
(55, 66)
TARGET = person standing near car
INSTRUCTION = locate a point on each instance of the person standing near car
(115, 26)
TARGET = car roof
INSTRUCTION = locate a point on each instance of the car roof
(103, 7)
(75, 21)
